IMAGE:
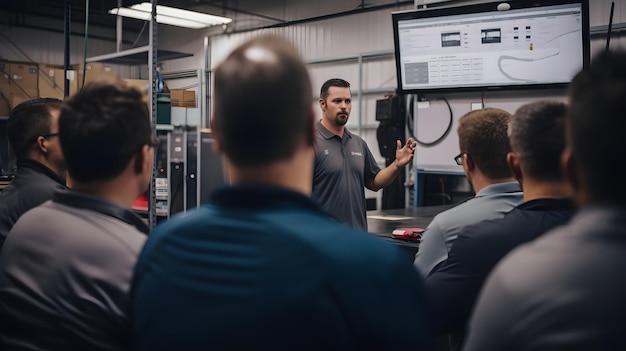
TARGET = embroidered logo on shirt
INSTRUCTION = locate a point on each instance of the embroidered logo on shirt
(326, 152)
(356, 154)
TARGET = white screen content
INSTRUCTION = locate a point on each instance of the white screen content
(542, 45)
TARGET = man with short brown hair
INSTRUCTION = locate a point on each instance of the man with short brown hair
(484, 144)
(32, 129)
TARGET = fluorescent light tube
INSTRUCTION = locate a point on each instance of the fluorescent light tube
(170, 15)
(126, 12)
(184, 14)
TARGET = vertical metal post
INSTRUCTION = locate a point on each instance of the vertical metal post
(360, 126)
(205, 84)
(152, 76)
(118, 29)
(66, 53)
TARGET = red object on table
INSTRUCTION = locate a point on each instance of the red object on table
(409, 234)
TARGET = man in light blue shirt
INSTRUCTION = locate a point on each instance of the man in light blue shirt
(484, 143)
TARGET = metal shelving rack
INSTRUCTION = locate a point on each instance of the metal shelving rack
(152, 64)
(132, 56)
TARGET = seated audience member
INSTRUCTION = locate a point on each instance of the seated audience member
(262, 266)
(563, 291)
(537, 136)
(484, 144)
(32, 129)
(66, 265)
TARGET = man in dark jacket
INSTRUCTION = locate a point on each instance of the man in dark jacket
(66, 265)
(33, 133)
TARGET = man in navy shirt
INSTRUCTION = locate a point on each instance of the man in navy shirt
(262, 266)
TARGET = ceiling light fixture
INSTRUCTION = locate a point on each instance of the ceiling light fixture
(171, 15)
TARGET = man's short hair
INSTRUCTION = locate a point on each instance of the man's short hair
(597, 121)
(483, 136)
(333, 82)
(29, 120)
(101, 128)
(537, 136)
(262, 102)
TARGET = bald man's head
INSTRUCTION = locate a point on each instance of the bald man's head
(263, 102)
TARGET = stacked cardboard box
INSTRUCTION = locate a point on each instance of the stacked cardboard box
(5, 104)
(52, 81)
(18, 83)
(183, 98)
(5, 108)
(92, 71)
(142, 84)
(52, 78)
(21, 81)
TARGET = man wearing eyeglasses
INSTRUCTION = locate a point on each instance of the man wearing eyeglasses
(537, 136)
(32, 128)
(564, 291)
(66, 265)
(484, 144)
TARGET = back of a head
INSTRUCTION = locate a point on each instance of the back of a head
(262, 102)
(537, 136)
(29, 120)
(597, 124)
(483, 135)
(101, 128)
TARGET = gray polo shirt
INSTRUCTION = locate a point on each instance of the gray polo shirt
(343, 168)
(65, 273)
(562, 291)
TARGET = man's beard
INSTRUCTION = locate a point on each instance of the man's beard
(340, 120)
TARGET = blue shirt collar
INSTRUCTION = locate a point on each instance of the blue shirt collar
(262, 196)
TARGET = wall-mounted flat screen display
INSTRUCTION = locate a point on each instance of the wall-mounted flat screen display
(533, 44)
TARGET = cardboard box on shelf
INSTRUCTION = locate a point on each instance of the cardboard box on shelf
(18, 99)
(24, 75)
(141, 84)
(90, 68)
(11, 90)
(12, 93)
(11, 96)
(5, 106)
(176, 96)
(189, 98)
(183, 98)
(93, 71)
(4, 73)
(52, 82)
(16, 79)
(4, 80)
